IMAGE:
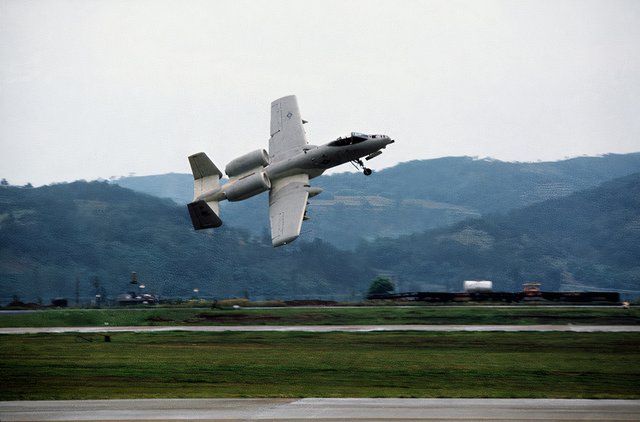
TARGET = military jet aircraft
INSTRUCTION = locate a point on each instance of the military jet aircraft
(284, 172)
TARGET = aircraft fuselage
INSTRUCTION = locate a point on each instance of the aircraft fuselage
(315, 160)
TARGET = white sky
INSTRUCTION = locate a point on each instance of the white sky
(93, 88)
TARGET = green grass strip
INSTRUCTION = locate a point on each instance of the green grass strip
(276, 364)
(325, 316)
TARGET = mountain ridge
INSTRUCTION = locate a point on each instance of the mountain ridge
(590, 237)
(413, 196)
(55, 234)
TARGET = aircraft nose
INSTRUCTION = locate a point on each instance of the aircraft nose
(382, 140)
(388, 140)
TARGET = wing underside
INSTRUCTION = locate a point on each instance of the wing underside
(287, 133)
(287, 204)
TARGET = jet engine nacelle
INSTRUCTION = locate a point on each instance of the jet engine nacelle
(247, 186)
(251, 161)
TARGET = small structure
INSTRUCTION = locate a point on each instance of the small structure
(531, 289)
(133, 298)
(59, 302)
(137, 298)
(478, 286)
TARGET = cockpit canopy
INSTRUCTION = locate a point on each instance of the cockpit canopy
(355, 138)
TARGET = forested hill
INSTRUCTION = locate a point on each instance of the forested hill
(587, 239)
(412, 197)
(53, 234)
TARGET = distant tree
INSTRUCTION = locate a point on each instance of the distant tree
(16, 301)
(4, 182)
(380, 286)
(28, 185)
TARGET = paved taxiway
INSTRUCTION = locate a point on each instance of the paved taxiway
(325, 328)
(323, 409)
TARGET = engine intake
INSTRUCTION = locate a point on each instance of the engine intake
(247, 186)
(251, 161)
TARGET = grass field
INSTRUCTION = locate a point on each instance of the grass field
(272, 364)
(325, 316)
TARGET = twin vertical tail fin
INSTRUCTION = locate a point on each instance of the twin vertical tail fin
(205, 214)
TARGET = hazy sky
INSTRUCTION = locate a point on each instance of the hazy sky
(93, 89)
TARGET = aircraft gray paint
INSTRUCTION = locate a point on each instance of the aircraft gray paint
(284, 172)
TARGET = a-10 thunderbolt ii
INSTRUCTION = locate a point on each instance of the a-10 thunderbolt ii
(284, 172)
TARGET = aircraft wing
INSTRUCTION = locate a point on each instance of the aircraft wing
(287, 133)
(287, 203)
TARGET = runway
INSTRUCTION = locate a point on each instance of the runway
(327, 328)
(322, 409)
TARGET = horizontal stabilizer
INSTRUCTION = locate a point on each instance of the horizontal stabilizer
(206, 177)
(202, 216)
(202, 166)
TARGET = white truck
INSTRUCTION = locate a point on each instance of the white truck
(478, 286)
